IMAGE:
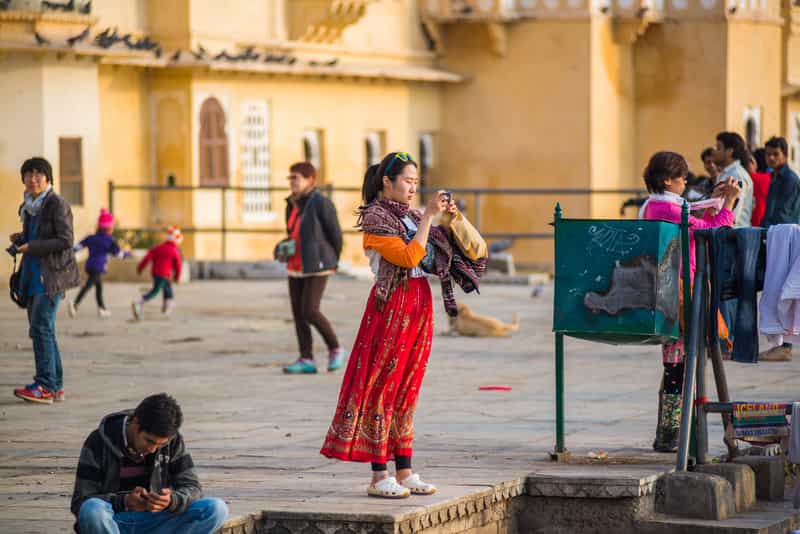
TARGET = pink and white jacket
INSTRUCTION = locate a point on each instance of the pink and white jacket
(667, 207)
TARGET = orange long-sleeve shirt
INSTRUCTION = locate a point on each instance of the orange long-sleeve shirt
(395, 250)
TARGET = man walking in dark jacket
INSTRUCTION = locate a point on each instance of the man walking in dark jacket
(783, 198)
(783, 207)
(135, 475)
(48, 269)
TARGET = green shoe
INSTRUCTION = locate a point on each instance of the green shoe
(302, 366)
(335, 359)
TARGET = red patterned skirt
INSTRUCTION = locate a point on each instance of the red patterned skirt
(374, 418)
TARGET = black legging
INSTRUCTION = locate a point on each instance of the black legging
(673, 378)
(96, 280)
(400, 462)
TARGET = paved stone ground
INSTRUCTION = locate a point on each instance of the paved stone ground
(255, 433)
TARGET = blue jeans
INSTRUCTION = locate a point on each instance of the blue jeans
(42, 330)
(159, 283)
(204, 516)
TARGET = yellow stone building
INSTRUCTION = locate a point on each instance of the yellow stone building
(559, 94)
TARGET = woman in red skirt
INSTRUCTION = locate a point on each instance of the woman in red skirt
(374, 420)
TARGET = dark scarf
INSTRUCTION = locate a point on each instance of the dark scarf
(384, 217)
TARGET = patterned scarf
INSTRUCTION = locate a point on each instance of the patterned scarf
(450, 265)
(384, 217)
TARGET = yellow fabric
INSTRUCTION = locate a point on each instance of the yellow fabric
(395, 250)
(465, 235)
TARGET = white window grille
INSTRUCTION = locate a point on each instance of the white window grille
(254, 160)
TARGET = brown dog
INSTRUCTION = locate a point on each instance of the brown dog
(467, 323)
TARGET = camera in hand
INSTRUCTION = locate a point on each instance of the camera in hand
(447, 195)
(13, 249)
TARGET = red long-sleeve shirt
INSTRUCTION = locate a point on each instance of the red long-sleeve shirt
(166, 260)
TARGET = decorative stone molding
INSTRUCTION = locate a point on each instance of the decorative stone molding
(340, 15)
(473, 511)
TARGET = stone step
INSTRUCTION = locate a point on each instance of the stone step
(741, 477)
(764, 518)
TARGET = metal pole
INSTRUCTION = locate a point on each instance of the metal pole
(689, 341)
(560, 449)
(559, 363)
(702, 419)
(685, 273)
(477, 217)
(722, 388)
(224, 225)
(690, 375)
(111, 196)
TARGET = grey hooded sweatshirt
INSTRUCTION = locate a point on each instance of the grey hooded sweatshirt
(170, 466)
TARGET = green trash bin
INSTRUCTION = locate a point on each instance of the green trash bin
(617, 281)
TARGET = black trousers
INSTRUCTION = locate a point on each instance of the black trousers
(306, 294)
(96, 280)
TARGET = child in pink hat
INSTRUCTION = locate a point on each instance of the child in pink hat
(100, 245)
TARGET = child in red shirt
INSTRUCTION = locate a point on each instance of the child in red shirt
(167, 263)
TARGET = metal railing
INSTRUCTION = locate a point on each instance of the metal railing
(474, 196)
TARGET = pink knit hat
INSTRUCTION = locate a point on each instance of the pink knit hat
(106, 220)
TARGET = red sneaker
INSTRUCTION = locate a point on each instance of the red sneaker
(60, 396)
(34, 393)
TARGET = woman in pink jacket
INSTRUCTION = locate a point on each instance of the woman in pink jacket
(665, 178)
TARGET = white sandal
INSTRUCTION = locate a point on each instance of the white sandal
(417, 486)
(388, 488)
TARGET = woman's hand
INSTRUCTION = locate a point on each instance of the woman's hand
(437, 204)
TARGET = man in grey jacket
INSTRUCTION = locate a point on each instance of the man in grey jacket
(135, 475)
(48, 269)
(730, 154)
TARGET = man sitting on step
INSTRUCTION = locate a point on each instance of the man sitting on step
(135, 475)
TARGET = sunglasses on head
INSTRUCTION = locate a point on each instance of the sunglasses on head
(405, 157)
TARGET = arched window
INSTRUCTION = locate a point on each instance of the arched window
(373, 147)
(213, 144)
(425, 151)
(312, 151)
(794, 139)
(752, 127)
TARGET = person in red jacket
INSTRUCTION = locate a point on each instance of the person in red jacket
(166, 259)
(757, 167)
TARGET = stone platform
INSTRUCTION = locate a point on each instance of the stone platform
(609, 497)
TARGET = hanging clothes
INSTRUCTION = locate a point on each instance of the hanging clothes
(780, 301)
(737, 272)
